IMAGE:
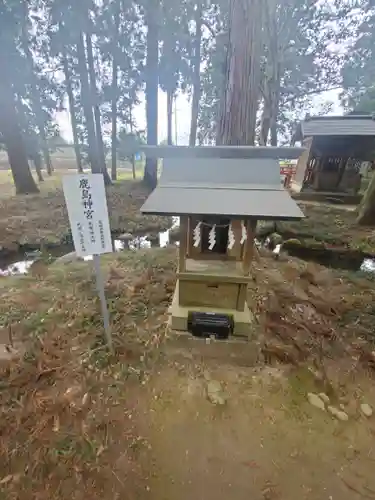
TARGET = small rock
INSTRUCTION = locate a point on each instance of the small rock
(366, 410)
(291, 242)
(323, 396)
(125, 237)
(68, 258)
(34, 254)
(276, 239)
(315, 400)
(265, 228)
(340, 415)
(215, 393)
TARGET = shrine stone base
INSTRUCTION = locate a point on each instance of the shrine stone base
(243, 320)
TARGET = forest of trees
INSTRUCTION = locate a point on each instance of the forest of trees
(99, 58)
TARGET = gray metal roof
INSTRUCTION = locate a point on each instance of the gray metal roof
(218, 186)
(214, 171)
(221, 152)
(358, 125)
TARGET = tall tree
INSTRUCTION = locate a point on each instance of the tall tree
(175, 54)
(120, 45)
(212, 81)
(72, 110)
(35, 94)
(358, 72)
(11, 63)
(242, 76)
(366, 209)
(12, 135)
(38, 166)
(358, 81)
(46, 50)
(297, 60)
(196, 63)
(13, 141)
(170, 98)
(132, 133)
(87, 106)
(97, 116)
(31, 142)
(114, 85)
(169, 62)
(152, 79)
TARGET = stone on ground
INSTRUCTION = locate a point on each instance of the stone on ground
(68, 258)
(366, 410)
(340, 415)
(125, 237)
(315, 400)
(215, 393)
(323, 396)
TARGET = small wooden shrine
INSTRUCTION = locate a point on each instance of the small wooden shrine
(219, 201)
(336, 147)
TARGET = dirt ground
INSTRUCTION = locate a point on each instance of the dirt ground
(265, 442)
(171, 417)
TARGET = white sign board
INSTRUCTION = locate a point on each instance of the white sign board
(88, 214)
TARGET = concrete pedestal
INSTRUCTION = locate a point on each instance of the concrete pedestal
(179, 316)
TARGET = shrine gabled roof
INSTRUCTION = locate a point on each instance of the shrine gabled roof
(235, 188)
(347, 125)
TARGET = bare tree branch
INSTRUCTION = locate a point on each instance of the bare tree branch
(210, 29)
(311, 92)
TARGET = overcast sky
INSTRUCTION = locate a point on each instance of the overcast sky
(183, 119)
(183, 116)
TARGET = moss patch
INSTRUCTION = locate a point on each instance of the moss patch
(41, 219)
(334, 226)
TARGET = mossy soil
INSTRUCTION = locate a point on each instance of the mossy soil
(329, 226)
(41, 220)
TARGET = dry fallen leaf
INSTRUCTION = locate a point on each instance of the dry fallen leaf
(100, 450)
(10, 477)
(56, 424)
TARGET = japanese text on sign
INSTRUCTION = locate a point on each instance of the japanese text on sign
(88, 215)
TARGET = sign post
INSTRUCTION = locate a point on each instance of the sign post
(103, 302)
(88, 216)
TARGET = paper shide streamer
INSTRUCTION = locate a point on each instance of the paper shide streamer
(212, 238)
(197, 235)
(243, 233)
(231, 238)
(212, 235)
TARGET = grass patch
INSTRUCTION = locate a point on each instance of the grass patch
(331, 225)
(35, 220)
(65, 405)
